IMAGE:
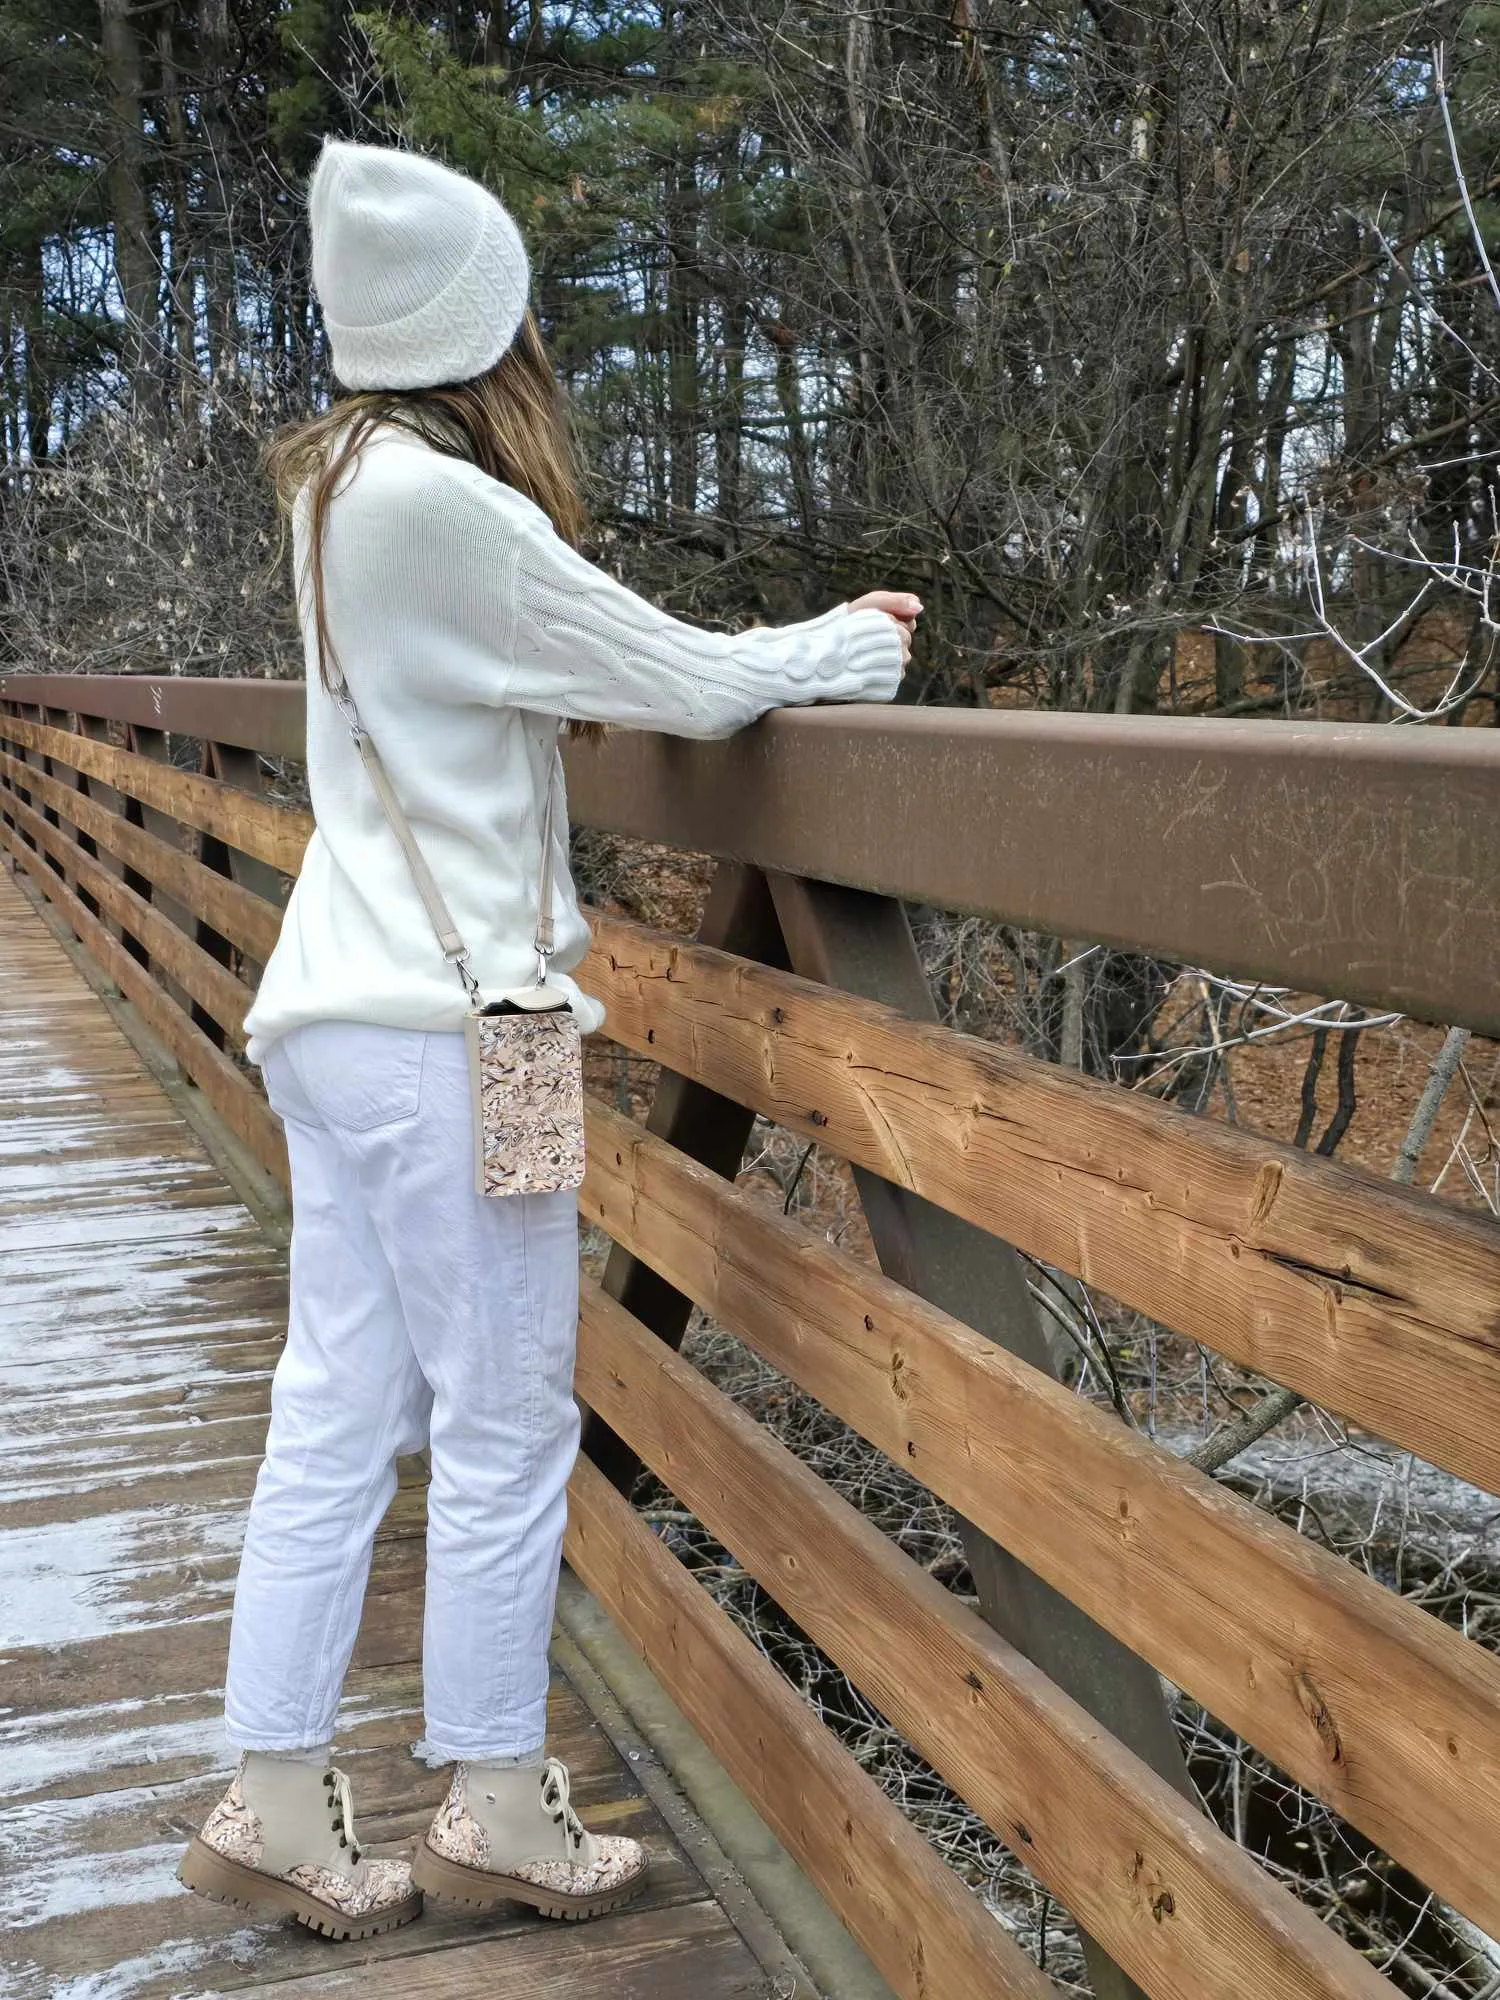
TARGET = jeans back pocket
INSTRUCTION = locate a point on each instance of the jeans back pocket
(356, 1075)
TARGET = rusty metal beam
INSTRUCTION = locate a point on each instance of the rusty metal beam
(1352, 859)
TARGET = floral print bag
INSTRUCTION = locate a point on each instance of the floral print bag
(526, 1071)
(525, 1049)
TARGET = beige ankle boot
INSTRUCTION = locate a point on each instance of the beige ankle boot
(281, 1842)
(505, 1836)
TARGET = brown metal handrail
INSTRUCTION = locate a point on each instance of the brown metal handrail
(1358, 860)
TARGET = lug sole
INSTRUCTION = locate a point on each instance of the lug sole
(483, 1889)
(214, 1875)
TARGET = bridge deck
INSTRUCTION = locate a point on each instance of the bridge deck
(140, 1317)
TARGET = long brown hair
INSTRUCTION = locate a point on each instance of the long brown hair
(512, 422)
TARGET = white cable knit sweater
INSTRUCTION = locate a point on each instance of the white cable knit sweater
(465, 627)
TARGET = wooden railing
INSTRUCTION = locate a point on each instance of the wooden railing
(1359, 861)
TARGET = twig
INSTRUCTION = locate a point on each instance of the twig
(1440, 83)
(1050, 1306)
(1443, 1070)
(1274, 1407)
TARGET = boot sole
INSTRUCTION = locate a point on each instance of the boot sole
(214, 1875)
(482, 1889)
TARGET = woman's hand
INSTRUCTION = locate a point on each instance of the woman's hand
(904, 606)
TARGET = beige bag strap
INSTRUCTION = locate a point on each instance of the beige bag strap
(545, 928)
(438, 914)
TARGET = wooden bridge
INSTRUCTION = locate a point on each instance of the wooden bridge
(144, 1291)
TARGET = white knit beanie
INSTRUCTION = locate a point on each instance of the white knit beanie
(421, 274)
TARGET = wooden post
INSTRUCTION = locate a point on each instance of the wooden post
(862, 944)
(6, 819)
(96, 728)
(35, 713)
(711, 1129)
(8, 786)
(242, 768)
(59, 718)
(154, 743)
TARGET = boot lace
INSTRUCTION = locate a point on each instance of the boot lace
(341, 1805)
(555, 1800)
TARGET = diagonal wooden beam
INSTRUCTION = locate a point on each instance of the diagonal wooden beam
(698, 1121)
(862, 944)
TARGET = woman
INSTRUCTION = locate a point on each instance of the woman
(434, 516)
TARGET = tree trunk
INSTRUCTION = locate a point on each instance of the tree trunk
(220, 285)
(136, 263)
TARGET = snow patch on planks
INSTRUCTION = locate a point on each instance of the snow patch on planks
(139, 1320)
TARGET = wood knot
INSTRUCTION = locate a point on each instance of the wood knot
(1163, 1903)
(1316, 1709)
(898, 1368)
(1267, 1187)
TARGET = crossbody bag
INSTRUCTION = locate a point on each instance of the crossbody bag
(525, 1048)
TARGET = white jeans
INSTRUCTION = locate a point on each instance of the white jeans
(420, 1311)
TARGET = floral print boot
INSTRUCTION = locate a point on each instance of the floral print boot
(281, 1843)
(504, 1836)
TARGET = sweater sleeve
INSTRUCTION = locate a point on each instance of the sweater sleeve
(584, 646)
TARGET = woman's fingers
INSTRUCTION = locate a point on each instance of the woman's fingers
(902, 605)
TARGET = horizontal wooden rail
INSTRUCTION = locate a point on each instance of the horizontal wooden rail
(1390, 1716)
(1183, 1910)
(271, 833)
(226, 1088)
(1339, 858)
(236, 913)
(1374, 1300)
(929, 1936)
(223, 997)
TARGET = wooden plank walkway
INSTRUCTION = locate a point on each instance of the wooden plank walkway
(141, 1311)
